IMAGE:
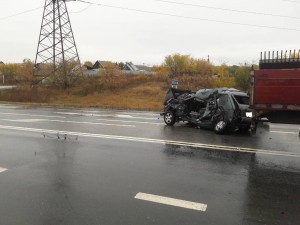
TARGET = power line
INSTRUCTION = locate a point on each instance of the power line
(34, 9)
(230, 10)
(189, 17)
(293, 1)
(82, 10)
(20, 13)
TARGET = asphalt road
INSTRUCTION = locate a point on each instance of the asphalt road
(92, 166)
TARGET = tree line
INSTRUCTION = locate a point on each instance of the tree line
(184, 65)
(173, 66)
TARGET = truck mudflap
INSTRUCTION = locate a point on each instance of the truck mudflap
(253, 126)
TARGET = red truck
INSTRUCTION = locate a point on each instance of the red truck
(275, 88)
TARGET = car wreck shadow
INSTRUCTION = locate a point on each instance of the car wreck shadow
(226, 133)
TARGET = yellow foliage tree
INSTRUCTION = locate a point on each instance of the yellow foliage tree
(9, 72)
(111, 77)
(185, 64)
(25, 71)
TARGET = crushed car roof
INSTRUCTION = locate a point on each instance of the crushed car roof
(208, 93)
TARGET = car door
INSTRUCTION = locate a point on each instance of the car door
(226, 107)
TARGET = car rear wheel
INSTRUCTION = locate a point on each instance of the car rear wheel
(220, 126)
(169, 118)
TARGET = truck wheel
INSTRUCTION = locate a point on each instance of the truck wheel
(169, 118)
(220, 126)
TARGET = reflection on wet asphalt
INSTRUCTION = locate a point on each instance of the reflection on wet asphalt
(272, 188)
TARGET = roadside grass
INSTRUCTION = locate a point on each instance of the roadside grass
(137, 92)
(142, 97)
(27, 94)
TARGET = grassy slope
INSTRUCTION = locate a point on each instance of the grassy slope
(146, 96)
(140, 97)
(141, 92)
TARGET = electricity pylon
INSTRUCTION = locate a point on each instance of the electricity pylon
(56, 46)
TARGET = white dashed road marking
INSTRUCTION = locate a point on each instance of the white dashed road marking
(66, 121)
(283, 132)
(133, 117)
(172, 202)
(2, 170)
(24, 120)
(31, 115)
(126, 121)
(125, 116)
(129, 113)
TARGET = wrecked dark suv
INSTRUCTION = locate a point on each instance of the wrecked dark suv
(221, 109)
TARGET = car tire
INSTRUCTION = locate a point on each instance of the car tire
(169, 118)
(220, 126)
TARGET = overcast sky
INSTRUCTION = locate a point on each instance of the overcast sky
(107, 33)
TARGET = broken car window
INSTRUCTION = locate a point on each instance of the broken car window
(244, 100)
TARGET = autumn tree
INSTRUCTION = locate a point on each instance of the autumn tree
(88, 64)
(9, 71)
(121, 65)
(185, 64)
(111, 77)
(66, 75)
(222, 70)
(177, 64)
(25, 71)
(242, 79)
(200, 67)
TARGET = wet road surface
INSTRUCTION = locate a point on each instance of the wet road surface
(92, 166)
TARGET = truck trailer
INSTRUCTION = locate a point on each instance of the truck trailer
(275, 88)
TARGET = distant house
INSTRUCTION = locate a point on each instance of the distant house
(132, 69)
(100, 64)
(1, 62)
(94, 70)
(144, 68)
(127, 68)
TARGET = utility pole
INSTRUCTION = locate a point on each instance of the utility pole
(56, 46)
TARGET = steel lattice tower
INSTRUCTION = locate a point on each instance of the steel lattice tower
(56, 44)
